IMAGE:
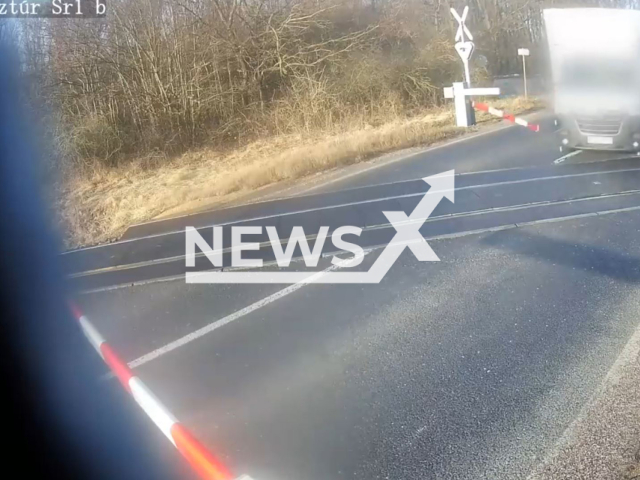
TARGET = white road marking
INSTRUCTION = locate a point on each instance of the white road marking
(568, 155)
(360, 202)
(175, 258)
(305, 193)
(230, 318)
(292, 288)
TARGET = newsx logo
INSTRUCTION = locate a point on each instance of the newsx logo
(407, 236)
(283, 255)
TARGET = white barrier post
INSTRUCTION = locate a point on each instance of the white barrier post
(465, 116)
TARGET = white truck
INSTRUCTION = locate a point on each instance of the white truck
(595, 70)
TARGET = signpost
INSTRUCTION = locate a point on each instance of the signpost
(524, 52)
(460, 91)
(464, 46)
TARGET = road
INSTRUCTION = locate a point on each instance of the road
(471, 367)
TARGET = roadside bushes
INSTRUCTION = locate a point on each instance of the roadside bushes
(165, 76)
(159, 77)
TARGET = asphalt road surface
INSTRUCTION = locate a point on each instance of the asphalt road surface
(471, 367)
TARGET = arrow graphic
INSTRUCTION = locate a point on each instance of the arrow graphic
(407, 236)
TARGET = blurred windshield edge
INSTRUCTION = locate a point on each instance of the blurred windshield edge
(60, 415)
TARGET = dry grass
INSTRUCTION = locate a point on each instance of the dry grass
(100, 206)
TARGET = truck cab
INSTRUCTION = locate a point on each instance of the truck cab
(595, 70)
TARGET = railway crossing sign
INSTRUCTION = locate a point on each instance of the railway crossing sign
(462, 28)
(464, 44)
(460, 92)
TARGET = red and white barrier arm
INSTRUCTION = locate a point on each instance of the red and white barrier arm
(507, 116)
(205, 465)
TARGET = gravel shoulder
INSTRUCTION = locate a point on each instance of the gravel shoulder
(604, 439)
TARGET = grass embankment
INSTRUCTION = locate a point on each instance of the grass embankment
(100, 205)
